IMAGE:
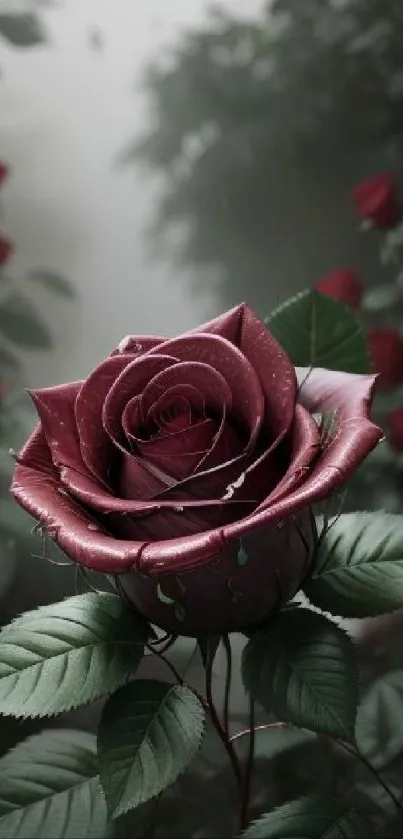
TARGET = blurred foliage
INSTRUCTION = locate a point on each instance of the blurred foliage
(22, 328)
(260, 127)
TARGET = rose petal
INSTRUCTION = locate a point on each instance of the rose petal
(56, 411)
(131, 382)
(97, 450)
(305, 446)
(207, 380)
(35, 486)
(219, 354)
(349, 396)
(178, 454)
(269, 361)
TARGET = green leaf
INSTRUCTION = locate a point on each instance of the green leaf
(20, 323)
(314, 817)
(302, 668)
(379, 722)
(22, 29)
(381, 297)
(358, 568)
(319, 332)
(68, 654)
(53, 282)
(149, 733)
(50, 788)
(8, 359)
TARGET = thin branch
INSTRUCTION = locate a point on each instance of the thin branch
(371, 768)
(228, 680)
(217, 724)
(247, 778)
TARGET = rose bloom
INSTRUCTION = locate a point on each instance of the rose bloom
(6, 250)
(376, 199)
(386, 350)
(185, 468)
(394, 425)
(343, 285)
(3, 171)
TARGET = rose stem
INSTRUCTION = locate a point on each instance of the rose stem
(248, 768)
(371, 768)
(227, 695)
(217, 724)
(350, 749)
(208, 705)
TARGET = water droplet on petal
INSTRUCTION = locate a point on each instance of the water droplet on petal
(242, 556)
(179, 509)
(93, 527)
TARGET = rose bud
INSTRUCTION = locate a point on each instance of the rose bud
(386, 350)
(376, 200)
(394, 425)
(343, 285)
(3, 171)
(6, 250)
(185, 469)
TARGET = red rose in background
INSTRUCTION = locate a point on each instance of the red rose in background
(376, 199)
(395, 428)
(6, 250)
(343, 285)
(386, 350)
(186, 468)
(3, 171)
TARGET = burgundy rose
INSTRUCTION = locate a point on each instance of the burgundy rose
(343, 285)
(3, 171)
(394, 423)
(6, 250)
(185, 468)
(386, 350)
(376, 200)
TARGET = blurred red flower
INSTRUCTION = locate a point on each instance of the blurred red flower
(386, 350)
(6, 250)
(376, 199)
(395, 428)
(342, 285)
(3, 171)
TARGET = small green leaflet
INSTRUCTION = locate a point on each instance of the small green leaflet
(21, 324)
(50, 788)
(149, 733)
(302, 668)
(318, 818)
(22, 29)
(61, 656)
(319, 332)
(54, 283)
(358, 566)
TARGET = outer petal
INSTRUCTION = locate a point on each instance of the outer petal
(56, 410)
(241, 584)
(273, 367)
(36, 488)
(97, 449)
(349, 396)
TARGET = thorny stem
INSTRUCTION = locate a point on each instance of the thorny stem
(228, 679)
(247, 778)
(217, 724)
(208, 705)
(371, 768)
(350, 749)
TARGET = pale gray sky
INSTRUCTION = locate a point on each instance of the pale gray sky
(66, 110)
